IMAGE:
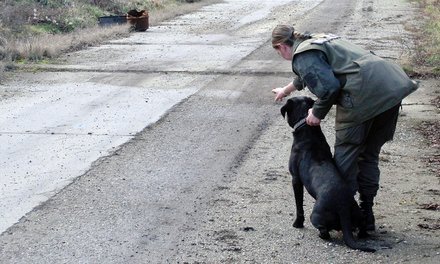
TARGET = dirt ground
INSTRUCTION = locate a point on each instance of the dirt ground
(250, 220)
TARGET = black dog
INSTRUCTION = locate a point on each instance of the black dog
(312, 166)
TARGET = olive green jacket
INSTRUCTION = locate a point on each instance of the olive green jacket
(370, 86)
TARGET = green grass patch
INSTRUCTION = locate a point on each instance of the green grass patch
(42, 28)
(433, 29)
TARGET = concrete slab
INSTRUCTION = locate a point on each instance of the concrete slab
(53, 131)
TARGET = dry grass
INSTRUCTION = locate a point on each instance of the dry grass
(19, 45)
(427, 57)
(33, 47)
(42, 46)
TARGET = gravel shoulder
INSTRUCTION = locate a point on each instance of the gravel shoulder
(250, 218)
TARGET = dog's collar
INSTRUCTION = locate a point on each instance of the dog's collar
(299, 124)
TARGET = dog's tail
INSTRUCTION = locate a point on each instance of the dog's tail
(347, 232)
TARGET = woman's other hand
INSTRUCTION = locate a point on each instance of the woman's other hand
(312, 120)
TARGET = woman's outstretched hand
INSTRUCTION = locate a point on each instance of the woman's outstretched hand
(279, 93)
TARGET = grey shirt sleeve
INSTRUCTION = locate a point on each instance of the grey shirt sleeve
(316, 73)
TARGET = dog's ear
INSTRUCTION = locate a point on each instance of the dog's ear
(284, 110)
(286, 107)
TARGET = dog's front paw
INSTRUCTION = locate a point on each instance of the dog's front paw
(299, 222)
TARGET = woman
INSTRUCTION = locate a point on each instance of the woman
(367, 91)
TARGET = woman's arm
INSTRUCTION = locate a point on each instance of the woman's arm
(314, 69)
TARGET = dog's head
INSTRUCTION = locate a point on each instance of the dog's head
(296, 108)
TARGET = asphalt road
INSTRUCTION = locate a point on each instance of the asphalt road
(85, 105)
(206, 77)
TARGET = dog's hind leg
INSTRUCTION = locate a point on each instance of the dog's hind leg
(319, 222)
(298, 190)
(363, 234)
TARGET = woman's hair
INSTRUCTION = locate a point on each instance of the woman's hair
(286, 34)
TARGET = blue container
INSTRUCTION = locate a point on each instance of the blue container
(112, 20)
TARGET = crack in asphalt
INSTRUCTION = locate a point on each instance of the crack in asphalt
(67, 134)
(203, 73)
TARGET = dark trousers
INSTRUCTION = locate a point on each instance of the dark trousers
(357, 151)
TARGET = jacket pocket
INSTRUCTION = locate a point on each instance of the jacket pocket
(345, 100)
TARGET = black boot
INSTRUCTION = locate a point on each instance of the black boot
(367, 210)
